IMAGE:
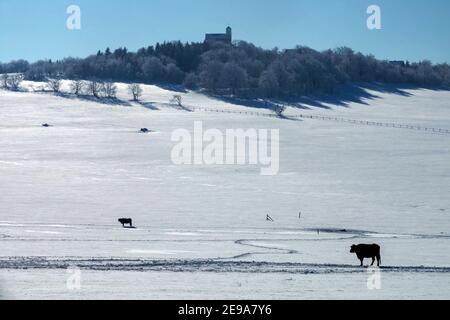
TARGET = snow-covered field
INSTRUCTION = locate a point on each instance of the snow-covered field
(201, 230)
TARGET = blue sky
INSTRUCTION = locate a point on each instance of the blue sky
(411, 29)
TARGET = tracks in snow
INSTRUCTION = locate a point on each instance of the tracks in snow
(271, 249)
(144, 265)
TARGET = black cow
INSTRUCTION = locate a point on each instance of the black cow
(125, 221)
(367, 251)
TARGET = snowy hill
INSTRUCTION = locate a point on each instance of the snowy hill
(354, 176)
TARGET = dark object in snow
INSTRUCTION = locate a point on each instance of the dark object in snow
(125, 221)
(145, 130)
(269, 218)
(367, 251)
(45, 125)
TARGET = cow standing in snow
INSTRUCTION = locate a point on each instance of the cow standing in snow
(367, 251)
(125, 221)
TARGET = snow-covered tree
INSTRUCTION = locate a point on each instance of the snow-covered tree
(14, 81)
(109, 89)
(177, 99)
(233, 77)
(4, 81)
(279, 110)
(210, 74)
(76, 87)
(191, 81)
(174, 74)
(95, 87)
(268, 84)
(135, 90)
(153, 69)
(54, 84)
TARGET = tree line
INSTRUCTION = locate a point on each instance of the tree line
(94, 87)
(240, 69)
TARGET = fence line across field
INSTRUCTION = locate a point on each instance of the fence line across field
(327, 118)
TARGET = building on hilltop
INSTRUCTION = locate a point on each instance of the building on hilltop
(226, 37)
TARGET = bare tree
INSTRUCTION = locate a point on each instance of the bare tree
(4, 81)
(178, 100)
(135, 90)
(94, 87)
(14, 81)
(279, 110)
(109, 89)
(55, 85)
(76, 87)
